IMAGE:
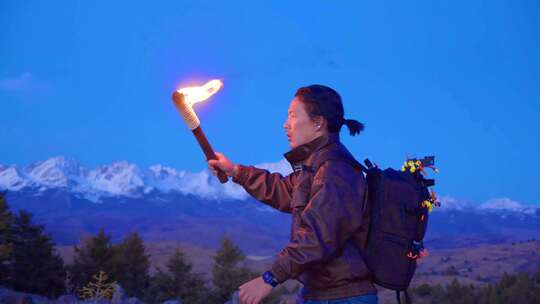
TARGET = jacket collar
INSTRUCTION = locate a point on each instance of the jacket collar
(298, 155)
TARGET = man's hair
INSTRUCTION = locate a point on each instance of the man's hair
(324, 101)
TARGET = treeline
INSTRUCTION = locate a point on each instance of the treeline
(29, 263)
(28, 260)
(521, 288)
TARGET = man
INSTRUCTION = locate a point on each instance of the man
(326, 199)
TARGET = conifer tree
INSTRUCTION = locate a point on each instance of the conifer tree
(179, 282)
(6, 229)
(228, 272)
(95, 255)
(520, 288)
(34, 266)
(190, 286)
(131, 265)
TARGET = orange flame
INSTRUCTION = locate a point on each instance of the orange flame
(197, 94)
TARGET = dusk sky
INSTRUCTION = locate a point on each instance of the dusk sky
(92, 80)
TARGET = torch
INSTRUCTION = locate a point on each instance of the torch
(184, 99)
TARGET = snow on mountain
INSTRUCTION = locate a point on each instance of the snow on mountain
(125, 179)
(56, 172)
(506, 204)
(11, 178)
(452, 203)
(121, 179)
(202, 183)
(283, 167)
(492, 205)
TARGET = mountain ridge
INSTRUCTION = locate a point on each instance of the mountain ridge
(121, 178)
(163, 203)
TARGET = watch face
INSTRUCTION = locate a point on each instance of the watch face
(269, 278)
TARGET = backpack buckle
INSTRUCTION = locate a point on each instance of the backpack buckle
(412, 256)
(416, 250)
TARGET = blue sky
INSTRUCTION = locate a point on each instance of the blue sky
(92, 80)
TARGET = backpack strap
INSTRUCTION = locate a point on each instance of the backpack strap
(345, 157)
(325, 156)
(407, 297)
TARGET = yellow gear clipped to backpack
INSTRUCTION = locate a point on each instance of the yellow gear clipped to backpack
(427, 204)
(416, 167)
(432, 201)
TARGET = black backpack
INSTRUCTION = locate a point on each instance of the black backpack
(399, 203)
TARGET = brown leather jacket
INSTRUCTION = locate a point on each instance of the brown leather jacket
(329, 219)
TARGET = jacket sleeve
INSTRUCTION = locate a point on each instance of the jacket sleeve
(270, 188)
(332, 215)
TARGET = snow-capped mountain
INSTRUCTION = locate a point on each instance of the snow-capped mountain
(119, 179)
(56, 172)
(165, 203)
(123, 179)
(506, 204)
(494, 205)
(12, 178)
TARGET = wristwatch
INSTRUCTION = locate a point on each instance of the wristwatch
(268, 278)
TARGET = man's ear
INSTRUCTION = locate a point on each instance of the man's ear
(317, 121)
(320, 121)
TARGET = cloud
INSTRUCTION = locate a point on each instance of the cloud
(22, 83)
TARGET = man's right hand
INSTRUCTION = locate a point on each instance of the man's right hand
(222, 163)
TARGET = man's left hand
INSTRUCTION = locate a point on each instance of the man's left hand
(254, 291)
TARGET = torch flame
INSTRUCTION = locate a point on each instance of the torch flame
(196, 94)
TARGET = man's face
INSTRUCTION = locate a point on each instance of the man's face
(299, 127)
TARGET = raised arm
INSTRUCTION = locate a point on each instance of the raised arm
(272, 189)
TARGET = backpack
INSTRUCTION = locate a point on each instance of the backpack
(399, 203)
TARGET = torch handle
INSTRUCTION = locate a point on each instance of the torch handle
(208, 151)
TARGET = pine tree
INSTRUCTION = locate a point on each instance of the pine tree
(34, 267)
(95, 255)
(179, 282)
(189, 285)
(6, 235)
(131, 265)
(228, 274)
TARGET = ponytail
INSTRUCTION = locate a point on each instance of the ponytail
(323, 101)
(355, 127)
